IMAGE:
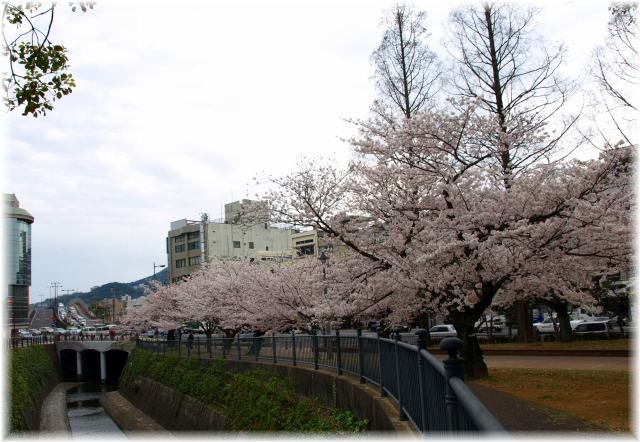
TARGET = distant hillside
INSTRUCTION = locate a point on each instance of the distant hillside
(115, 289)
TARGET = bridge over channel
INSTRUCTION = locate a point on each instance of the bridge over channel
(93, 360)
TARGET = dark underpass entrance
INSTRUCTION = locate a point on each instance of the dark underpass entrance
(91, 365)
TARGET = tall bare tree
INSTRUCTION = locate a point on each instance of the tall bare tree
(616, 70)
(502, 63)
(407, 71)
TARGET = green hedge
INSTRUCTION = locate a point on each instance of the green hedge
(267, 403)
(31, 373)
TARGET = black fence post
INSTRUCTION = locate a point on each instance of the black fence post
(421, 343)
(338, 353)
(239, 349)
(179, 346)
(273, 347)
(383, 393)
(315, 348)
(293, 344)
(453, 367)
(224, 348)
(396, 338)
(360, 357)
(257, 345)
(198, 345)
(164, 347)
(210, 342)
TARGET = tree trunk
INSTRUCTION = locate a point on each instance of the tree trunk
(525, 330)
(565, 333)
(474, 364)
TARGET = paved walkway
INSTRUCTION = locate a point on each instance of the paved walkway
(520, 416)
(53, 413)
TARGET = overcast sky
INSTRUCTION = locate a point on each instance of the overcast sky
(179, 105)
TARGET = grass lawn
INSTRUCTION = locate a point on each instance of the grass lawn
(599, 398)
(600, 344)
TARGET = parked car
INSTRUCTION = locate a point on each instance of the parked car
(73, 331)
(46, 330)
(60, 331)
(24, 333)
(443, 331)
(35, 332)
(595, 327)
(484, 329)
(546, 326)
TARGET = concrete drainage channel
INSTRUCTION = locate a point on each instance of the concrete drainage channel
(76, 408)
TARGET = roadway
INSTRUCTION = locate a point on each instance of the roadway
(41, 317)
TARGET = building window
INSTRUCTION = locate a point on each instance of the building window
(195, 245)
(193, 235)
(181, 263)
(179, 248)
(236, 244)
(267, 248)
(306, 250)
(194, 260)
(179, 239)
(250, 245)
(306, 241)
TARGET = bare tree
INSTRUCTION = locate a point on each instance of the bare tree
(504, 65)
(406, 70)
(615, 67)
(510, 71)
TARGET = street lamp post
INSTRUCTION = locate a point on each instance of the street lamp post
(159, 266)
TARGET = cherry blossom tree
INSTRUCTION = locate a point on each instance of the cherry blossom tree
(425, 208)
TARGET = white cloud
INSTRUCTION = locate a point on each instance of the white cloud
(179, 106)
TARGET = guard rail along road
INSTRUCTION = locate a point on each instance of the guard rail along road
(431, 394)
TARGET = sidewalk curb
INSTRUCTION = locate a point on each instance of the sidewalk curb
(547, 352)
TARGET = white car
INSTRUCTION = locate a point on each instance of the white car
(60, 331)
(443, 331)
(546, 326)
(46, 330)
(73, 331)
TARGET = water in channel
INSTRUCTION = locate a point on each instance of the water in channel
(86, 415)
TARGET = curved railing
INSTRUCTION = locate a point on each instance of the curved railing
(429, 393)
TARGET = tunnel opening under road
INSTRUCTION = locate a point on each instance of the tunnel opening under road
(115, 362)
(90, 365)
(68, 364)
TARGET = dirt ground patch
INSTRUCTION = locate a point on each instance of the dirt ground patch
(599, 398)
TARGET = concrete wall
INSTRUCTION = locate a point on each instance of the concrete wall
(173, 410)
(176, 411)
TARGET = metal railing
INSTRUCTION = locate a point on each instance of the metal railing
(19, 342)
(429, 393)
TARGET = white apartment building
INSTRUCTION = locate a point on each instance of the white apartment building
(243, 233)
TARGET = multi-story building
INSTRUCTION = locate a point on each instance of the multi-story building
(240, 235)
(17, 259)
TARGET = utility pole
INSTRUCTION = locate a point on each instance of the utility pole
(56, 286)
